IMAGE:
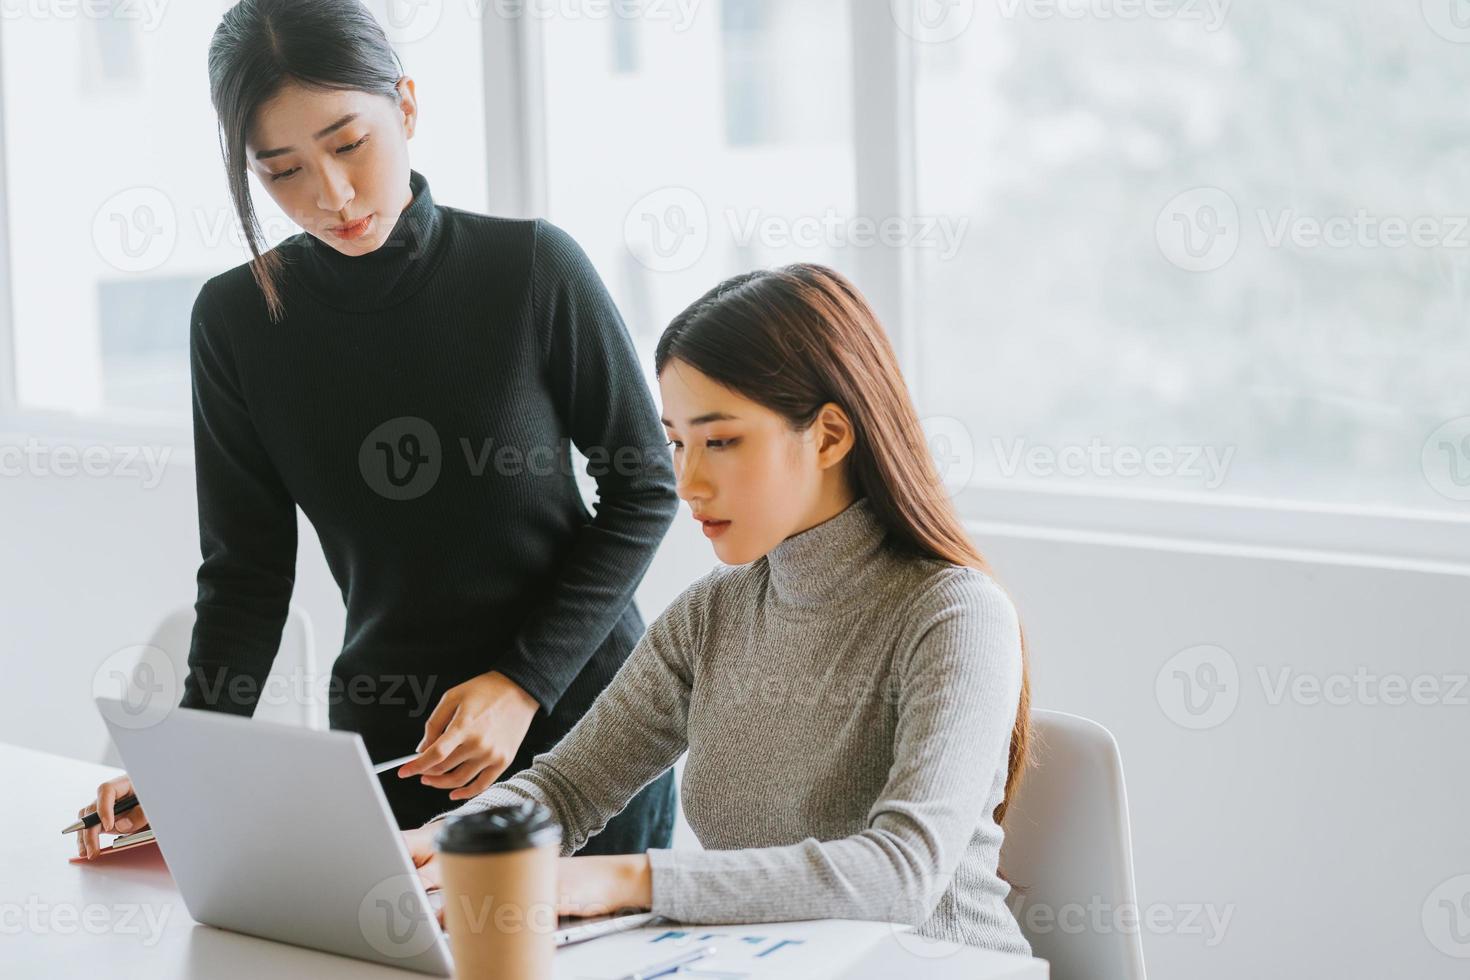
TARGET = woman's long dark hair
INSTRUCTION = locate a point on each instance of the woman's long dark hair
(260, 46)
(796, 338)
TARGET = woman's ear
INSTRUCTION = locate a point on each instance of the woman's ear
(835, 435)
(408, 104)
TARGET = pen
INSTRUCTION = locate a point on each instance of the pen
(669, 966)
(123, 805)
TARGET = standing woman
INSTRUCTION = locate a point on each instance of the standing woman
(410, 375)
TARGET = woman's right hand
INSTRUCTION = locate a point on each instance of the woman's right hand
(134, 820)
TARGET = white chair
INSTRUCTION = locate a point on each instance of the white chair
(1068, 849)
(295, 659)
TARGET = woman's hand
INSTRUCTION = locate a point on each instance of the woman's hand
(420, 844)
(473, 735)
(585, 886)
(88, 840)
(599, 884)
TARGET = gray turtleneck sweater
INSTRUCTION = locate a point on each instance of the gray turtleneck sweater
(847, 716)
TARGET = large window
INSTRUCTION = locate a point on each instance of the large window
(723, 144)
(118, 206)
(1207, 247)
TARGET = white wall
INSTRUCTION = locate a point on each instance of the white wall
(1319, 829)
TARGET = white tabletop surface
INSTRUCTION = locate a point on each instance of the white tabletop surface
(122, 916)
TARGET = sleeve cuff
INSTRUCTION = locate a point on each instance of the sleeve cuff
(666, 899)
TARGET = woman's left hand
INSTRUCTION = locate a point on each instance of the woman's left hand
(473, 735)
(598, 884)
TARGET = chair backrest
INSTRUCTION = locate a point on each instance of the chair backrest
(1068, 853)
(295, 659)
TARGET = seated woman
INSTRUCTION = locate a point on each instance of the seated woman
(852, 695)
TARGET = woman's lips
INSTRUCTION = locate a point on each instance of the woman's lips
(355, 230)
(712, 528)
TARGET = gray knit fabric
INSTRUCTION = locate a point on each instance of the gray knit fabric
(847, 715)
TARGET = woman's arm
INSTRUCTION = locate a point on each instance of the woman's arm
(605, 404)
(247, 532)
(959, 685)
(636, 729)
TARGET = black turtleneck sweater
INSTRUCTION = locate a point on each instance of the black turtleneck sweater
(416, 403)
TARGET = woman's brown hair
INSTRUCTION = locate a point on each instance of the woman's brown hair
(796, 338)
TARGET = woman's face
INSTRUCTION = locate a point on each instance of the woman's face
(336, 161)
(748, 477)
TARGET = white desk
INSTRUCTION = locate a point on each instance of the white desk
(122, 916)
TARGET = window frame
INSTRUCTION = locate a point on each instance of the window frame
(883, 78)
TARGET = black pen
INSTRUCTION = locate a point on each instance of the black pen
(123, 805)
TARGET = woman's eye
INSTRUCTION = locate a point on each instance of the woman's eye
(720, 443)
(284, 173)
(676, 445)
(349, 148)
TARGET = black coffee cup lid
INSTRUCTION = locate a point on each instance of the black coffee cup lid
(499, 828)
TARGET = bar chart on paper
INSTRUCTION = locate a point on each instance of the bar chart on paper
(780, 951)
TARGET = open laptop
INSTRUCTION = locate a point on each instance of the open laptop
(284, 833)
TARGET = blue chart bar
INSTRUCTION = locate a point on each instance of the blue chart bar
(674, 935)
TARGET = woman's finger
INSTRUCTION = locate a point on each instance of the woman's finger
(463, 754)
(131, 822)
(484, 781)
(439, 720)
(106, 797)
